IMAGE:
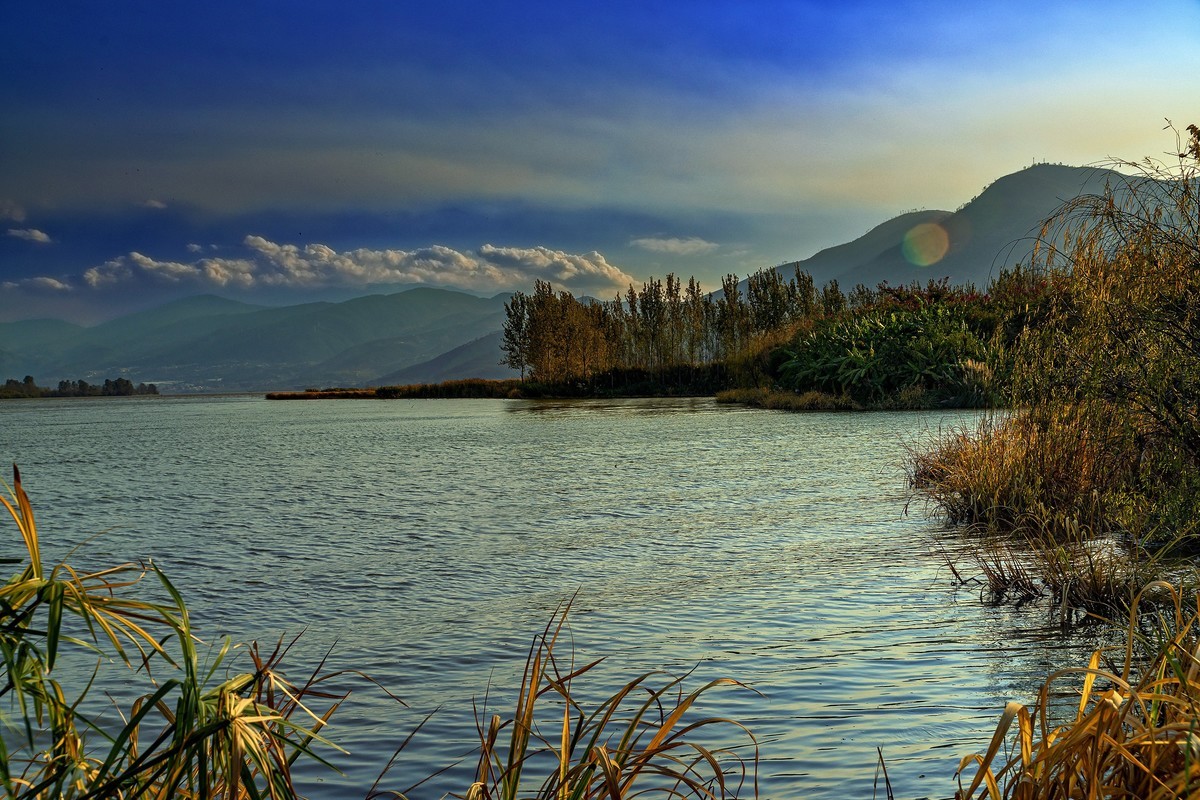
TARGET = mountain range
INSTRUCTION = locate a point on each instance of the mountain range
(209, 344)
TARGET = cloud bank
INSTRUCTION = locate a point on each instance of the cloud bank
(269, 264)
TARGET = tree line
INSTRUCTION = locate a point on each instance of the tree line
(933, 342)
(119, 387)
(666, 331)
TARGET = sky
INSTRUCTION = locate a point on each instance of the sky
(281, 152)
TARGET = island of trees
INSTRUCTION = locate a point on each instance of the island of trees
(917, 345)
(119, 387)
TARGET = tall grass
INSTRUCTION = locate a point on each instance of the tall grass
(643, 739)
(1105, 438)
(1135, 732)
(198, 730)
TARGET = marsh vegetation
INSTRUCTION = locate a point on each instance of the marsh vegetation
(1087, 491)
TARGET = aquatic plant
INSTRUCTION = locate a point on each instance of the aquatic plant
(642, 739)
(198, 730)
(1134, 733)
(1106, 441)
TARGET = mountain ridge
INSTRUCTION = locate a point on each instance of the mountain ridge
(995, 229)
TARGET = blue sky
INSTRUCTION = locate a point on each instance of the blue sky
(280, 151)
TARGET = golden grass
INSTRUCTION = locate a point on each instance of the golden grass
(1135, 732)
(642, 739)
(1056, 471)
(197, 732)
(782, 400)
(1044, 499)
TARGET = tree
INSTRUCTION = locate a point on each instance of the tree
(515, 340)
(833, 302)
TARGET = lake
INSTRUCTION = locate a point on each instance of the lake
(427, 541)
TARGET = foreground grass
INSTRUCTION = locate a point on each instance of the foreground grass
(204, 730)
(1135, 732)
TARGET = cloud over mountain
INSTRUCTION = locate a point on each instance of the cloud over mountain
(38, 284)
(270, 264)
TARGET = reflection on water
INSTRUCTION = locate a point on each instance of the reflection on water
(430, 539)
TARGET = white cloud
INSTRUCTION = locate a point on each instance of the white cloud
(691, 246)
(157, 205)
(195, 248)
(52, 284)
(211, 271)
(29, 235)
(40, 283)
(108, 273)
(489, 268)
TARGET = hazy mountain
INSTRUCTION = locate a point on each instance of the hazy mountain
(996, 229)
(209, 343)
(476, 359)
(21, 343)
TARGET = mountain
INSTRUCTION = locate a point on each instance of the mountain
(476, 359)
(996, 229)
(209, 343)
(421, 335)
(21, 342)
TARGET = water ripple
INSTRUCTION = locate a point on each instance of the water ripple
(427, 541)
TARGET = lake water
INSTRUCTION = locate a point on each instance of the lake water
(427, 542)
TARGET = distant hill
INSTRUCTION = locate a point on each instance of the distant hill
(21, 343)
(996, 229)
(477, 359)
(208, 343)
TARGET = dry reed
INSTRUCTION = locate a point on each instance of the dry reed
(1135, 732)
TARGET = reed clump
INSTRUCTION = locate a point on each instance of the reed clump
(200, 729)
(1058, 470)
(785, 400)
(1104, 441)
(642, 739)
(1134, 733)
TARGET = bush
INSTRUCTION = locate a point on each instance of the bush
(882, 358)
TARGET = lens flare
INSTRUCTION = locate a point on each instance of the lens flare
(925, 244)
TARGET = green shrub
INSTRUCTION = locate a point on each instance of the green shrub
(891, 357)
